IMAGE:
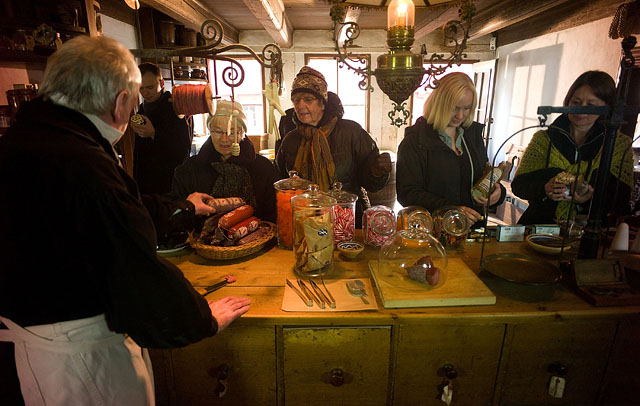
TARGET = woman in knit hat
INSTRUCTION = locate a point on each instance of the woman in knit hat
(216, 171)
(324, 147)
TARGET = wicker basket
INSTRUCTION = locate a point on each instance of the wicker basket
(221, 253)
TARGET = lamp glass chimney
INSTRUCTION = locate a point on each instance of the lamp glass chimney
(401, 13)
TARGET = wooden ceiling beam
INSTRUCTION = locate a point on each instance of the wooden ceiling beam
(434, 20)
(565, 16)
(192, 13)
(272, 16)
(502, 14)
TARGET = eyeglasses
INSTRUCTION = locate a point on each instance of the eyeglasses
(296, 100)
(218, 133)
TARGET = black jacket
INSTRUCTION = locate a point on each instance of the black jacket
(430, 174)
(78, 241)
(197, 175)
(156, 158)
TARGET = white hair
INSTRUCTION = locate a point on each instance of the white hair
(87, 74)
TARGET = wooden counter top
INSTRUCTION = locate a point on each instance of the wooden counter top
(261, 277)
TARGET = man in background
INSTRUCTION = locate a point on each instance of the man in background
(163, 141)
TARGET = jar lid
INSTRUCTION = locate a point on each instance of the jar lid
(313, 199)
(341, 196)
(293, 182)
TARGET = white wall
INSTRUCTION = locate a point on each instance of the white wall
(539, 71)
(121, 32)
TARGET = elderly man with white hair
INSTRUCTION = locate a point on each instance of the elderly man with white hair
(81, 286)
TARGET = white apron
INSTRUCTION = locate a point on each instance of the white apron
(79, 362)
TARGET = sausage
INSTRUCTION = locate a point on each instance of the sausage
(262, 230)
(243, 228)
(235, 216)
(225, 204)
(209, 227)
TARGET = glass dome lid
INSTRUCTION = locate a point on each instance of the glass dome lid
(414, 259)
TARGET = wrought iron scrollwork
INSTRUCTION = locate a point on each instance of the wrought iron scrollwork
(345, 58)
(233, 76)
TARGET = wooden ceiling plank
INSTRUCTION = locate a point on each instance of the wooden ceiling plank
(563, 17)
(274, 19)
(434, 20)
(506, 13)
(192, 14)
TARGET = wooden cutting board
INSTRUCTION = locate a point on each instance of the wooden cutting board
(461, 287)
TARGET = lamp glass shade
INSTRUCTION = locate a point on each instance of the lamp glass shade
(401, 13)
(134, 4)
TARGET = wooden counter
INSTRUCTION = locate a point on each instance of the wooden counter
(501, 353)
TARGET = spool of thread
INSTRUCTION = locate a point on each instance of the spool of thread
(621, 239)
(190, 100)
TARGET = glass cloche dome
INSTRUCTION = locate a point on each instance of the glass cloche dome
(413, 259)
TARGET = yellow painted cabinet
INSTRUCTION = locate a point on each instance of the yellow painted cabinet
(471, 351)
(535, 353)
(235, 367)
(336, 366)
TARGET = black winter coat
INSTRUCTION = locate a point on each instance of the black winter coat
(156, 158)
(431, 175)
(78, 241)
(197, 175)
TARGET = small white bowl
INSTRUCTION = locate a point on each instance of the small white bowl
(350, 249)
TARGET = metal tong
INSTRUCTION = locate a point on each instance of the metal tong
(308, 293)
(305, 299)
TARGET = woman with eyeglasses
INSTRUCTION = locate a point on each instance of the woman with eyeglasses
(324, 147)
(567, 153)
(214, 170)
(443, 155)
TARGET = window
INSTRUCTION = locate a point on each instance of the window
(249, 93)
(420, 95)
(344, 82)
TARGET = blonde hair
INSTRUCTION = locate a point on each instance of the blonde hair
(87, 73)
(444, 98)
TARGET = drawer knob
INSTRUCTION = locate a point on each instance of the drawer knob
(337, 377)
(449, 371)
(557, 368)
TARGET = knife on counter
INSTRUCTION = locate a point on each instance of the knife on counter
(307, 301)
(309, 294)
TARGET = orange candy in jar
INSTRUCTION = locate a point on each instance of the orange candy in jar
(285, 190)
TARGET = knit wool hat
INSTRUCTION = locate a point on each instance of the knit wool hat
(309, 80)
(224, 109)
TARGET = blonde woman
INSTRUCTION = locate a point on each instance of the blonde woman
(443, 154)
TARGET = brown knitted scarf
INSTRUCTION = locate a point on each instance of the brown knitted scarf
(314, 161)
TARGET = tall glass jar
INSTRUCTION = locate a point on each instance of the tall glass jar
(312, 232)
(285, 190)
(344, 213)
(378, 225)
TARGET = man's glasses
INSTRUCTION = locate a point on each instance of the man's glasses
(218, 133)
(296, 100)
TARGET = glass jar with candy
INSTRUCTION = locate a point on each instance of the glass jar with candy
(344, 213)
(285, 190)
(378, 225)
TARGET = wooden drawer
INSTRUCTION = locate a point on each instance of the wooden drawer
(472, 350)
(621, 385)
(360, 354)
(581, 347)
(250, 357)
